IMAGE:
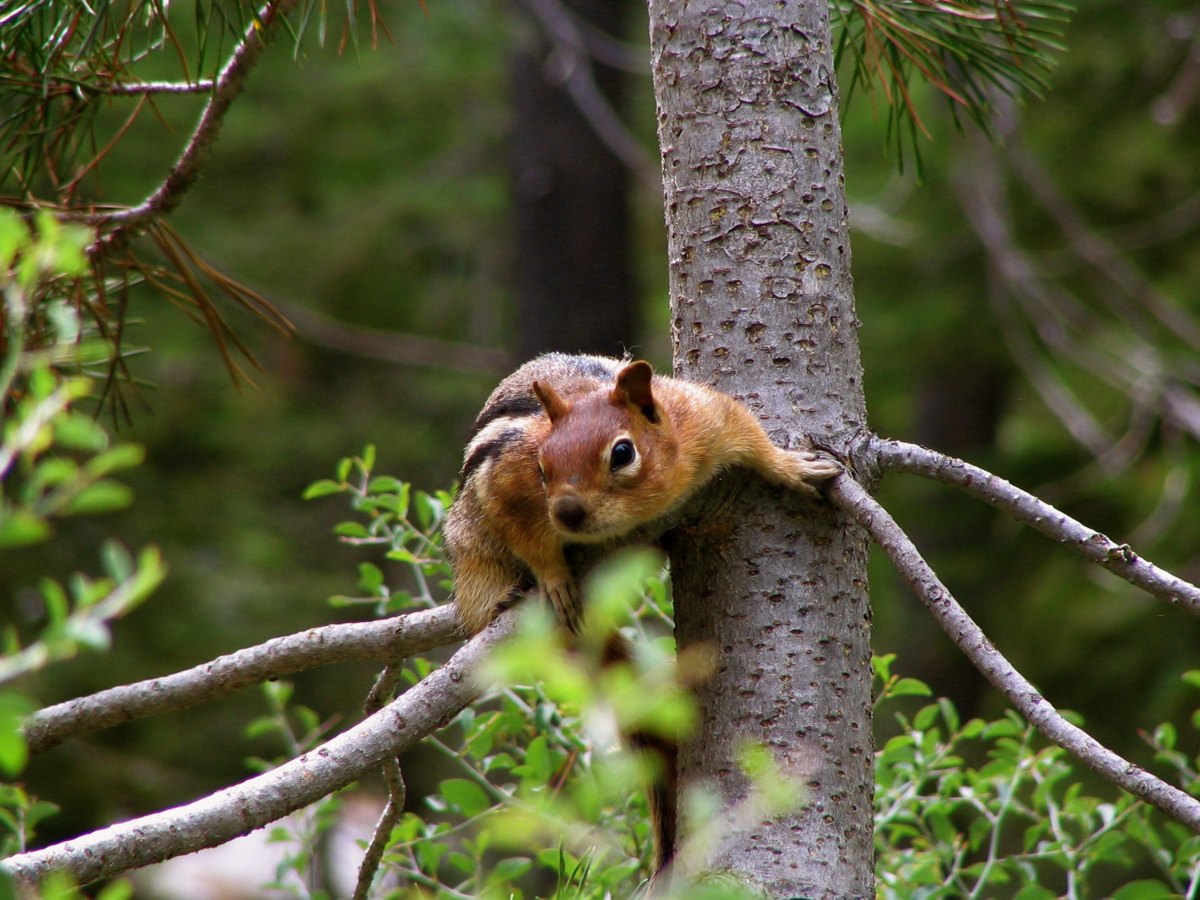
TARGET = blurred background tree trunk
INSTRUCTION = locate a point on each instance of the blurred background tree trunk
(573, 270)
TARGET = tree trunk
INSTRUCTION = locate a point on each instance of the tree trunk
(762, 307)
(573, 273)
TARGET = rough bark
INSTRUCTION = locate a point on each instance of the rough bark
(762, 307)
(385, 640)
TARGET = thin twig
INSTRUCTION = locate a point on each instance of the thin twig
(1120, 559)
(381, 693)
(853, 499)
(142, 88)
(1134, 291)
(1117, 348)
(393, 346)
(574, 69)
(386, 639)
(228, 85)
(254, 803)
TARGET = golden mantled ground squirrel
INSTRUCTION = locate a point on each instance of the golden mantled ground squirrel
(585, 450)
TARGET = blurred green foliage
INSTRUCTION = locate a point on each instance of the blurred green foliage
(371, 187)
(56, 465)
(538, 799)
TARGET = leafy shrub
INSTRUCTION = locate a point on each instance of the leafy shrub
(544, 803)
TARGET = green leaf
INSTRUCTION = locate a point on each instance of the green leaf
(429, 510)
(973, 728)
(499, 762)
(14, 236)
(396, 503)
(116, 561)
(1148, 889)
(55, 598)
(321, 488)
(14, 707)
(89, 633)
(1165, 734)
(79, 432)
(370, 577)
(100, 497)
(910, 687)
(42, 382)
(510, 869)
(381, 484)
(123, 456)
(883, 665)
(54, 471)
(20, 528)
(537, 759)
(1001, 728)
(466, 795)
(617, 874)
(949, 713)
(117, 890)
(1034, 892)
(429, 854)
(925, 717)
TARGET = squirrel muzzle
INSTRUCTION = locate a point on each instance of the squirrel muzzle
(569, 513)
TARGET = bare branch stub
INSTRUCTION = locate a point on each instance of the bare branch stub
(852, 499)
(380, 694)
(1120, 559)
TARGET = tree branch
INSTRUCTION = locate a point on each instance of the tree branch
(1120, 346)
(393, 346)
(385, 640)
(1119, 559)
(573, 69)
(141, 88)
(853, 499)
(258, 801)
(226, 88)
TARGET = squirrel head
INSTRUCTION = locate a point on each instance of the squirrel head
(603, 458)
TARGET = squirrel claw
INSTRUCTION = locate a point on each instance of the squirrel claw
(564, 597)
(821, 467)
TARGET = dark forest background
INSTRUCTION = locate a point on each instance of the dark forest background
(445, 187)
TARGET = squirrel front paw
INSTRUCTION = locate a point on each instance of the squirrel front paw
(564, 597)
(819, 467)
(804, 467)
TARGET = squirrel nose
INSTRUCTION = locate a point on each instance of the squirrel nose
(569, 511)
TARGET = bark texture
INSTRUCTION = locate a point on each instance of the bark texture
(762, 308)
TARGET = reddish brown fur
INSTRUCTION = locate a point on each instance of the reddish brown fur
(535, 482)
(507, 520)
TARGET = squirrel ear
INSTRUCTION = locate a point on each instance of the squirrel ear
(555, 406)
(633, 389)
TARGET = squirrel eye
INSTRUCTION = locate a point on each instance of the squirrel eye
(622, 454)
